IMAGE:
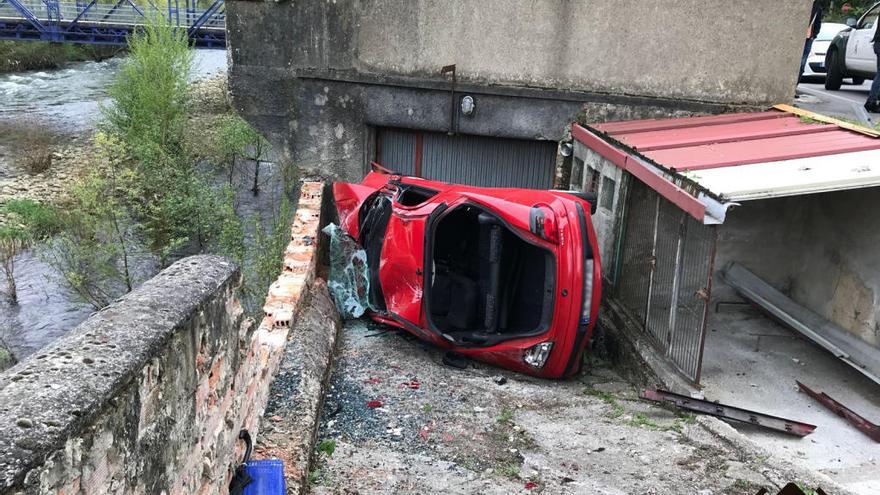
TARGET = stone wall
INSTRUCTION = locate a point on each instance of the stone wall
(149, 394)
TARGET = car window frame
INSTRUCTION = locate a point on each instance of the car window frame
(873, 10)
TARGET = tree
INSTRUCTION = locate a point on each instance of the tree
(175, 207)
(236, 138)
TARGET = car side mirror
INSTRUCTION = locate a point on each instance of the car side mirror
(851, 22)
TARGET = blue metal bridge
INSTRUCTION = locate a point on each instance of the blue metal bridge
(99, 23)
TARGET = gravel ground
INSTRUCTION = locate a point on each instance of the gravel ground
(396, 420)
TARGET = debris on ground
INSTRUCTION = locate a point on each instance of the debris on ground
(459, 432)
(859, 422)
(702, 406)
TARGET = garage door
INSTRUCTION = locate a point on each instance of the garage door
(466, 159)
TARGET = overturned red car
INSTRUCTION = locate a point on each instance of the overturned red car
(507, 276)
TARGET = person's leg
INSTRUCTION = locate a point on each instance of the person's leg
(872, 105)
(808, 47)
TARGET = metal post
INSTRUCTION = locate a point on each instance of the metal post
(653, 261)
(676, 283)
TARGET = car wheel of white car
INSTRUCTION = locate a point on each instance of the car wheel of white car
(835, 77)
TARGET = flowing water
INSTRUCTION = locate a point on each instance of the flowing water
(67, 101)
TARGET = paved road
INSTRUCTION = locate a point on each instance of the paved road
(846, 103)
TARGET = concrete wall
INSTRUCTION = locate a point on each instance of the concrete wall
(315, 75)
(820, 249)
(713, 50)
(149, 394)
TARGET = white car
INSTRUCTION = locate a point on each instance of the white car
(815, 67)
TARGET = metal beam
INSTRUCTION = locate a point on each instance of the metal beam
(861, 424)
(777, 423)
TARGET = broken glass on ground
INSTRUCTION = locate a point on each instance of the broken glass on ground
(349, 282)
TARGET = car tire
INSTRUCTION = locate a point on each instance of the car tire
(834, 78)
(858, 81)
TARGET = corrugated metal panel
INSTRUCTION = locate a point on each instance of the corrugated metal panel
(794, 177)
(745, 155)
(488, 162)
(397, 150)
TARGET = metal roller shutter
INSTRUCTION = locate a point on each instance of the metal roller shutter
(467, 159)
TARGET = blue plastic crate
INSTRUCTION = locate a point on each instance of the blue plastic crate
(268, 475)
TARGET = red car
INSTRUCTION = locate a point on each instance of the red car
(507, 276)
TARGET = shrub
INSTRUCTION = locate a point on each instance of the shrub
(27, 222)
(35, 147)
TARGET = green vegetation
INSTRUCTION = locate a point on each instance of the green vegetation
(237, 139)
(642, 421)
(327, 447)
(150, 200)
(508, 470)
(38, 55)
(608, 398)
(27, 222)
(506, 416)
(833, 12)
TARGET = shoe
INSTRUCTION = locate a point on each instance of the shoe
(872, 106)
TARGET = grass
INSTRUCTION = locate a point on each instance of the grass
(508, 470)
(327, 447)
(427, 408)
(506, 416)
(608, 398)
(640, 420)
(314, 477)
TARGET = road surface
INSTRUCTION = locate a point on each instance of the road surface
(847, 102)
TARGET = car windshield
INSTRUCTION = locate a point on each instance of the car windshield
(829, 31)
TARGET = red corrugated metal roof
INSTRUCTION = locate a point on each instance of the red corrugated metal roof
(697, 143)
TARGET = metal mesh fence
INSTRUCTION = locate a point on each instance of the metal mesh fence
(665, 265)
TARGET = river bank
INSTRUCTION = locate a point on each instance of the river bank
(72, 160)
(67, 103)
(16, 56)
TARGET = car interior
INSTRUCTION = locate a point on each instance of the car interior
(487, 284)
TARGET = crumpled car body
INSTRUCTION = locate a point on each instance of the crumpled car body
(507, 276)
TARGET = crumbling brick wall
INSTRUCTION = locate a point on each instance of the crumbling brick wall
(149, 394)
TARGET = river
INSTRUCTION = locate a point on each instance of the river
(67, 100)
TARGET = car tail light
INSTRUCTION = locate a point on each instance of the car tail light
(542, 223)
(587, 304)
(537, 355)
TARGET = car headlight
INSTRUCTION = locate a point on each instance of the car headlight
(587, 299)
(537, 355)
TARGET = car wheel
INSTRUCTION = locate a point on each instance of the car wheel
(835, 77)
(858, 81)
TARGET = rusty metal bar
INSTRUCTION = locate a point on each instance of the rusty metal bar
(861, 424)
(731, 412)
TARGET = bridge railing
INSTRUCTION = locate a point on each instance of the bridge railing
(84, 21)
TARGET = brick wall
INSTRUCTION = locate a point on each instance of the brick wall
(149, 394)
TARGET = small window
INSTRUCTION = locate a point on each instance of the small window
(606, 198)
(592, 183)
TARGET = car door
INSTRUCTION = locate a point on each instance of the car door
(860, 55)
(402, 270)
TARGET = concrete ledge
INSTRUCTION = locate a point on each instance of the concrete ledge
(778, 467)
(635, 356)
(290, 424)
(63, 410)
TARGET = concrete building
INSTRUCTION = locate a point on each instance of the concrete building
(338, 84)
